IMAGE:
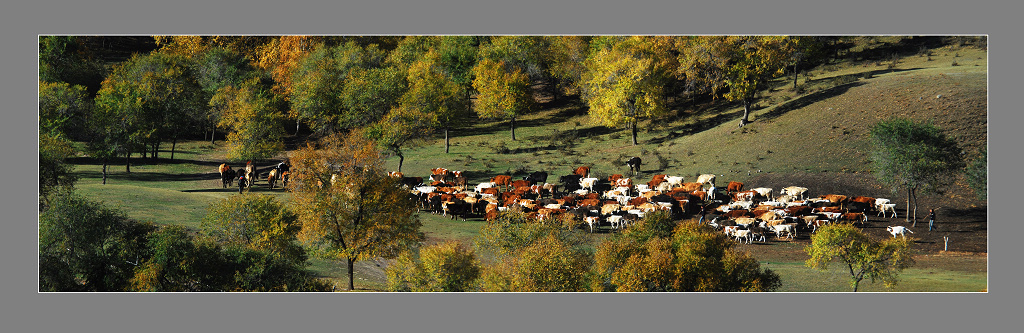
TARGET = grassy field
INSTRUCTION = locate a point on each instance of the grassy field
(818, 131)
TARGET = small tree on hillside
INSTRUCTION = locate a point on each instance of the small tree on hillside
(445, 267)
(914, 156)
(348, 206)
(864, 257)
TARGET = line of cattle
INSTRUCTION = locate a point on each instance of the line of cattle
(616, 201)
(247, 176)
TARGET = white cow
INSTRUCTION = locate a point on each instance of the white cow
(588, 183)
(592, 221)
(788, 229)
(742, 234)
(764, 192)
(706, 179)
(898, 230)
(795, 191)
(887, 207)
(674, 181)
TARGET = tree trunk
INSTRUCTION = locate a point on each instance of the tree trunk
(446, 142)
(746, 112)
(906, 218)
(914, 191)
(796, 73)
(513, 128)
(297, 124)
(174, 143)
(633, 130)
(104, 171)
(213, 132)
(128, 162)
(351, 276)
(401, 159)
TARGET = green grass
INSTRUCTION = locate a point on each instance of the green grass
(799, 278)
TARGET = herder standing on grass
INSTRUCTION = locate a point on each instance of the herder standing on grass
(931, 219)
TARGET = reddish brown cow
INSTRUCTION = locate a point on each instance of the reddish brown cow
(690, 187)
(700, 195)
(583, 171)
(502, 180)
(613, 178)
(492, 191)
(798, 210)
(858, 218)
(590, 202)
(517, 184)
(638, 201)
(734, 187)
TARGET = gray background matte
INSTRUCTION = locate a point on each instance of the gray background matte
(22, 309)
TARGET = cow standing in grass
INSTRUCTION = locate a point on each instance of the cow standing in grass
(634, 165)
(226, 175)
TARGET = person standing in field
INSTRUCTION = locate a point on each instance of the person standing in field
(931, 219)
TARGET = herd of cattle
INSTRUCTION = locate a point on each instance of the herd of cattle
(615, 202)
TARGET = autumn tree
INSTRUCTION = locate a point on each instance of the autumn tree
(625, 80)
(533, 257)
(54, 171)
(333, 87)
(741, 66)
(255, 221)
(257, 127)
(218, 68)
(862, 256)
(68, 59)
(657, 254)
(348, 207)
(443, 267)
(507, 67)
(397, 129)
(913, 156)
(565, 58)
(63, 109)
(86, 246)
(503, 92)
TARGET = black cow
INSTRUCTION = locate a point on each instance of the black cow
(634, 165)
(538, 177)
(571, 183)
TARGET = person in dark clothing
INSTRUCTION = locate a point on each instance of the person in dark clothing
(703, 213)
(931, 219)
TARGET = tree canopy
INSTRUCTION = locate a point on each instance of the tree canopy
(913, 156)
(862, 256)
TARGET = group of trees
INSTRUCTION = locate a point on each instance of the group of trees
(655, 254)
(399, 88)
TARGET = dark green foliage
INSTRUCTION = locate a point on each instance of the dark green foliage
(257, 222)
(84, 246)
(54, 173)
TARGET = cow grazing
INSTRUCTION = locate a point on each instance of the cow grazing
(502, 180)
(764, 192)
(588, 183)
(898, 230)
(634, 165)
(250, 174)
(412, 181)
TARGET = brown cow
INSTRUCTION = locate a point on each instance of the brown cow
(734, 187)
(690, 187)
(226, 175)
(502, 180)
(583, 171)
(737, 213)
(613, 178)
(858, 218)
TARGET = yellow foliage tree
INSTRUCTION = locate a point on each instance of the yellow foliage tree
(503, 92)
(348, 206)
(625, 80)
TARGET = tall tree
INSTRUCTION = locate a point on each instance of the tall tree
(503, 92)
(914, 156)
(625, 80)
(657, 254)
(160, 95)
(85, 246)
(741, 64)
(348, 206)
(564, 57)
(68, 59)
(439, 92)
(863, 257)
(397, 129)
(217, 68)
(257, 127)
(329, 87)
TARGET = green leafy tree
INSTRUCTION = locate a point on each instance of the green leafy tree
(216, 69)
(348, 207)
(443, 267)
(656, 254)
(439, 85)
(68, 59)
(178, 263)
(397, 129)
(369, 94)
(333, 87)
(54, 172)
(257, 127)
(625, 80)
(158, 97)
(255, 221)
(63, 109)
(85, 246)
(913, 156)
(864, 257)
(565, 57)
